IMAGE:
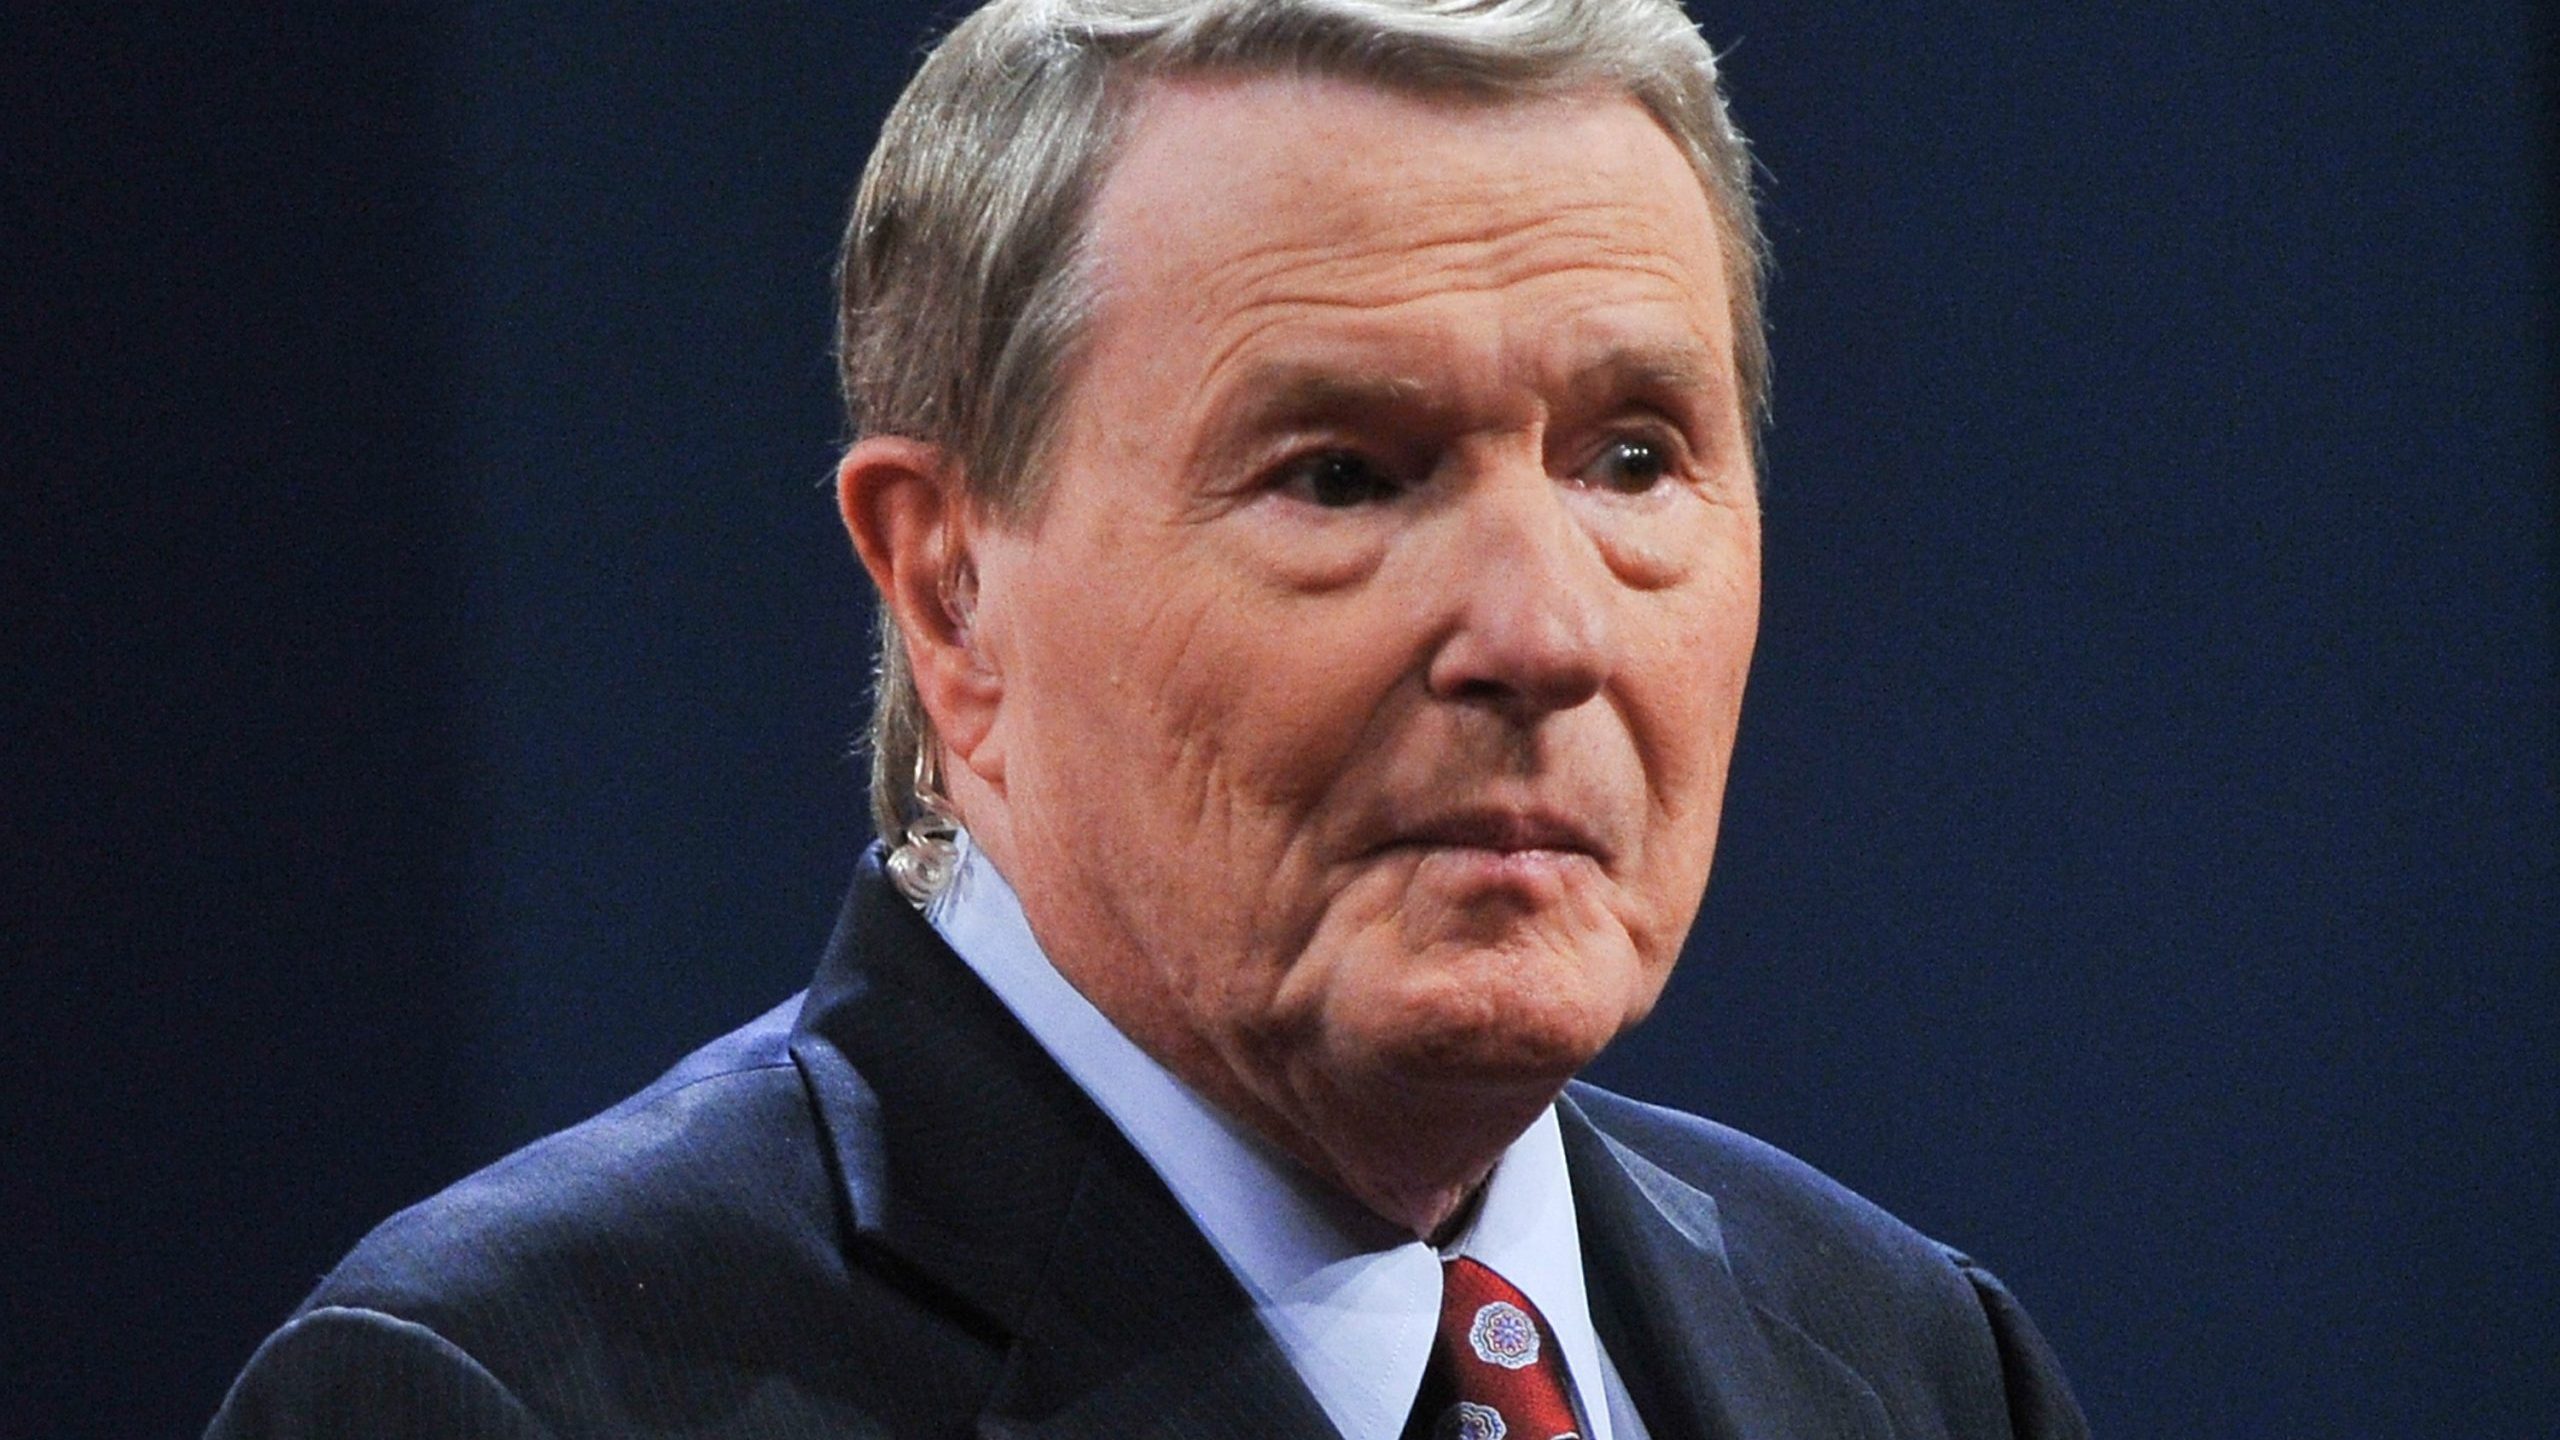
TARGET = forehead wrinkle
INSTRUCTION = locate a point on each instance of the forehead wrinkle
(1387, 255)
(1242, 329)
(1329, 224)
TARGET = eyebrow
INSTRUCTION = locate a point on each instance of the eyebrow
(1281, 395)
(1681, 367)
(1288, 388)
(1293, 392)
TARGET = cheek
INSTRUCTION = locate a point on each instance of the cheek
(1682, 700)
(1688, 643)
(1270, 693)
(1176, 703)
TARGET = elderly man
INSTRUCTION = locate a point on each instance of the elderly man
(1307, 460)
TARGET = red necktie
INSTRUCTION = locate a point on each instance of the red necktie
(1495, 1371)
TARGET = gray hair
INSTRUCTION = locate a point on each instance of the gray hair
(962, 282)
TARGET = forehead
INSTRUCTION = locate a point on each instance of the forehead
(1249, 219)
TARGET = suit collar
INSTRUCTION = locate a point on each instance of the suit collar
(971, 1166)
(1697, 1356)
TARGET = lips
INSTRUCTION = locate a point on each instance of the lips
(1502, 831)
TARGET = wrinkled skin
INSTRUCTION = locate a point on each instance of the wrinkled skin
(1353, 713)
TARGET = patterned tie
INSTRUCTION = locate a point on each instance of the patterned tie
(1495, 1372)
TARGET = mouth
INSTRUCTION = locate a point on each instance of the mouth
(1503, 832)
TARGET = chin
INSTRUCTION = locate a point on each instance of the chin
(1502, 1017)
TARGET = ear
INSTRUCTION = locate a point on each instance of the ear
(910, 515)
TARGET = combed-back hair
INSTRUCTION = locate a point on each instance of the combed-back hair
(963, 284)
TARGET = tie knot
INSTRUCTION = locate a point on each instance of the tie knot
(1495, 1373)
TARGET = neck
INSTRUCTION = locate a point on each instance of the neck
(1414, 1152)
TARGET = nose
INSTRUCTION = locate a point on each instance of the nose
(1528, 630)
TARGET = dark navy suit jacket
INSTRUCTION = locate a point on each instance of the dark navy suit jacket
(883, 1210)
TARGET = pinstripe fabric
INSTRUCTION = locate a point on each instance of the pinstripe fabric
(881, 1210)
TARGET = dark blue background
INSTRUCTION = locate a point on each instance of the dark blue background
(435, 659)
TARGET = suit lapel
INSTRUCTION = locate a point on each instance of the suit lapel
(969, 1163)
(1698, 1358)
(1140, 1329)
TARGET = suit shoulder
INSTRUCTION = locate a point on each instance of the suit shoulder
(1935, 1335)
(669, 1204)
(338, 1371)
(1762, 1193)
(681, 1264)
(1806, 1250)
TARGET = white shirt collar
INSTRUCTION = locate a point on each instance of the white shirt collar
(1352, 1301)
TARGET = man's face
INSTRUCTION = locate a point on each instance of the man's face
(1371, 665)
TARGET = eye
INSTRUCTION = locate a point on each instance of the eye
(1337, 480)
(1628, 466)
